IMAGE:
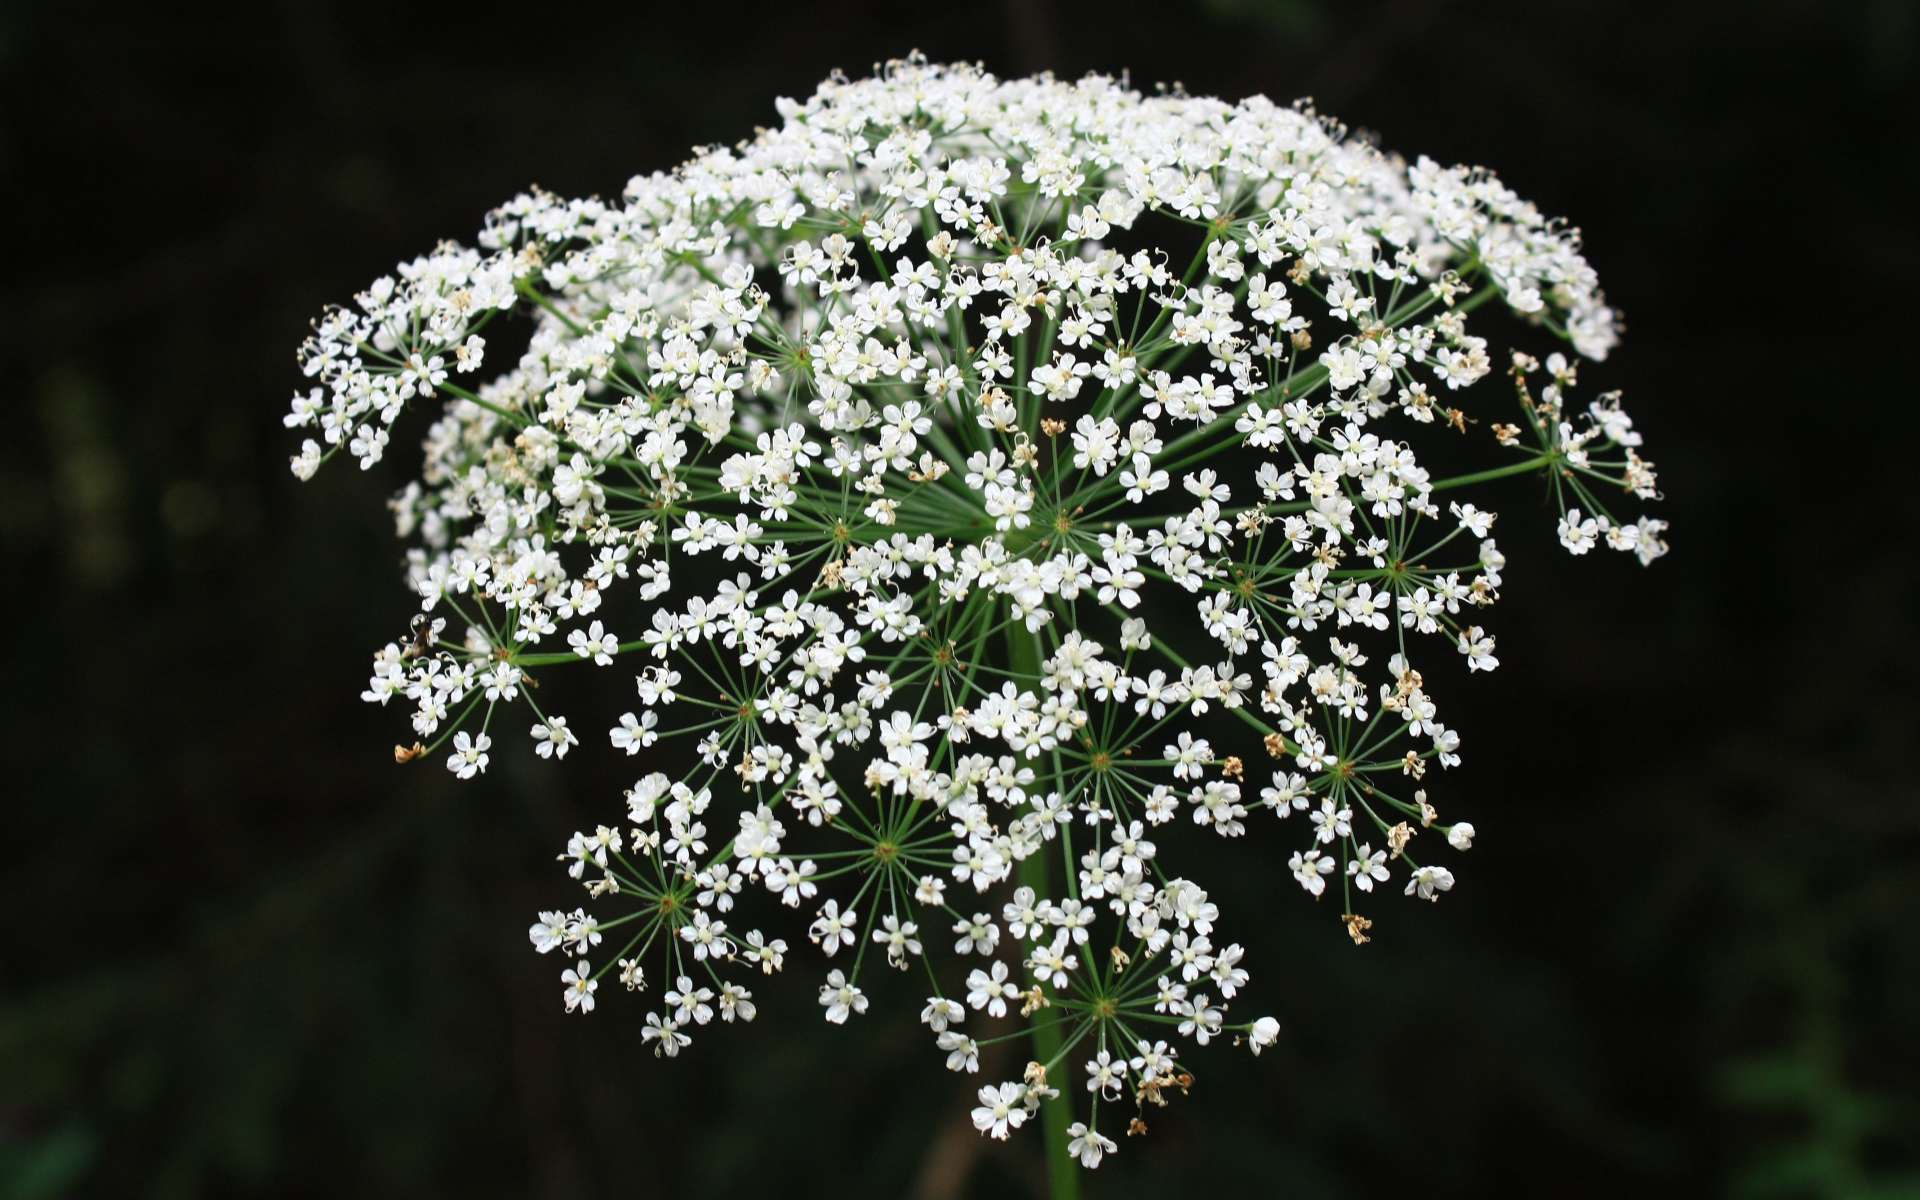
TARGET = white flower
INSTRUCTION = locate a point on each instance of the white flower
(1311, 869)
(552, 738)
(595, 643)
(1577, 535)
(307, 462)
(469, 757)
(549, 931)
(1429, 882)
(963, 1053)
(1088, 1146)
(1366, 866)
(580, 987)
(664, 1035)
(833, 929)
(634, 734)
(1001, 1109)
(1478, 647)
(900, 938)
(950, 515)
(989, 989)
(841, 998)
(1264, 1032)
(1476, 521)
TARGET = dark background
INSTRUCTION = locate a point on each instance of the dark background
(244, 954)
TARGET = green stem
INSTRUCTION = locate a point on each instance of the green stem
(1035, 871)
(1519, 468)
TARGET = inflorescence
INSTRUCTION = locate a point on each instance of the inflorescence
(887, 452)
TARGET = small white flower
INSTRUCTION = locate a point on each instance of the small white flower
(1312, 869)
(580, 987)
(551, 738)
(1367, 866)
(1429, 882)
(1002, 1108)
(1088, 1146)
(596, 643)
(469, 757)
(841, 998)
(634, 733)
(1265, 1032)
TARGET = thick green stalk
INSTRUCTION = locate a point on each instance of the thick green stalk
(1518, 468)
(1036, 872)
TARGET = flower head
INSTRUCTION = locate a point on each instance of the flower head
(982, 473)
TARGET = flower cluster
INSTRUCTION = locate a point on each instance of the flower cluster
(987, 486)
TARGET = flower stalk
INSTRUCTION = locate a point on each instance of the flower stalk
(1036, 872)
